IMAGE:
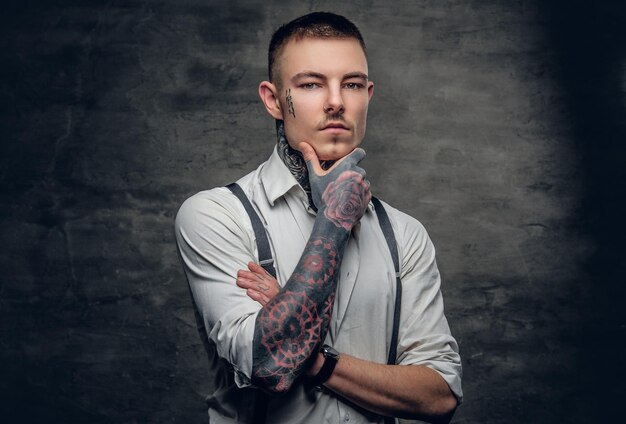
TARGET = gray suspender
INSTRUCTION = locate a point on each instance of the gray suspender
(385, 225)
(266, 261)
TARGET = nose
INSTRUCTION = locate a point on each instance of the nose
(334, 101)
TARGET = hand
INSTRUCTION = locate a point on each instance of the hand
(341, 191)
(259, 284)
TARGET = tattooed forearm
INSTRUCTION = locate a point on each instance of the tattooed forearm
(290, 328)
(292, 110)
(292, 325)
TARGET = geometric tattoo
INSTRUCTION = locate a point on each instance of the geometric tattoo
(291, 327)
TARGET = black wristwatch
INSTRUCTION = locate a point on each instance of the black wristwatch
(332, 356)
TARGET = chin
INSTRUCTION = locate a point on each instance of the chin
(334, 155)
(335, 150)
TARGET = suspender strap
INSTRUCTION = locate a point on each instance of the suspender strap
(385, 225)
(263, 246)
(266, 260)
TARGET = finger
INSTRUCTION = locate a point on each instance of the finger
(367, 184)
(355, 156)
(360, 171)
(267, 274)
(246, 283)
(258, 296)
(352, 159)
(264, 299)
(254, 295)
(258, 269)
(250, 275)
(310, 157)
(367, 191)
(261, 275)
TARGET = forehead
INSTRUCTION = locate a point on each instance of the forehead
(329, 57)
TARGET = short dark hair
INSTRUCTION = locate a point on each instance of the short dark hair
(314, 25)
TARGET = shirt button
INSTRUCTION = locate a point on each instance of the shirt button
(346, 417)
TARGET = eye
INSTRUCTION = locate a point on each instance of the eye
(309, 85)
(353, 85)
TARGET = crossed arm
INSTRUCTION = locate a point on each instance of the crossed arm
(291, 326)
(294, 320)
(405, 391)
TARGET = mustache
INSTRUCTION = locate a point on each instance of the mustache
(337, 117)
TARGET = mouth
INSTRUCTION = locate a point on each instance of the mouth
(335, 126)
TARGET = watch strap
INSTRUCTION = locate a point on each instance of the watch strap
(327, 368)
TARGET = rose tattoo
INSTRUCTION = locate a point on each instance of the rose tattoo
(345, 199)
(341, 192)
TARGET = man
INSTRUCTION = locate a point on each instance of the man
(335, 277)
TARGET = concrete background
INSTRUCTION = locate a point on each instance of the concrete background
(499, 124)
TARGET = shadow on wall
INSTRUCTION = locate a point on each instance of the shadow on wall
(590, 39)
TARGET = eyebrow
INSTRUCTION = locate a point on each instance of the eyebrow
(311, 74)
(355, 75)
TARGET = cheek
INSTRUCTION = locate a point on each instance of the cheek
(307, 118)
(300, 127)
(359, 104)
(363, 123)
(306, 103)
(361, 118)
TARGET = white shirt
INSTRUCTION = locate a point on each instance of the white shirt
(215, 239)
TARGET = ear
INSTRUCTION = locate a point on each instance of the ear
(370, 90)
(269, 96)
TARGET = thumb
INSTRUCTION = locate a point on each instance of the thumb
(312, 162)
(352, 159)
(355, 156)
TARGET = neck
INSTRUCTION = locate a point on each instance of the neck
(295, 162)
(292, 158)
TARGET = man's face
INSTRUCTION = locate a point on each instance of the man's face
(324, 94)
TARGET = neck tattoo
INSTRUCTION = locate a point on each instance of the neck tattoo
(295, 162)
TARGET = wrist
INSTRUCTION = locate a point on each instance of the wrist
(316, 365)
(324, 365)
(332, 225)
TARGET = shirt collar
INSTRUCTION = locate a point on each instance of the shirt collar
(276, 178)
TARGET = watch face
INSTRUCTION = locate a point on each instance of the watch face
(328, 351)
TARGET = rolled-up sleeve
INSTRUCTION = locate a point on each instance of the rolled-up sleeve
(424, 335)
(214, 242)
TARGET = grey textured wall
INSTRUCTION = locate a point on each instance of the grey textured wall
(499, 124)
